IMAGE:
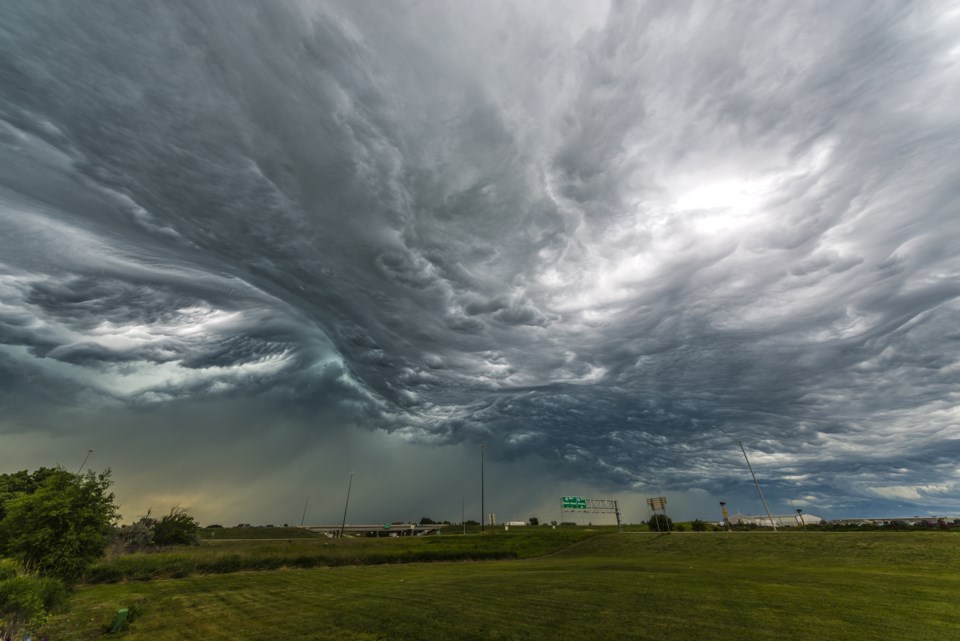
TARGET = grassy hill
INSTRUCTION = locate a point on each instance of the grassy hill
(744, 586)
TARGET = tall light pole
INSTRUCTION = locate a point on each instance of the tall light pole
(483, 509)
(800, 514)
(762, 500)
(89, 452)
(304, 511)
(344, 523)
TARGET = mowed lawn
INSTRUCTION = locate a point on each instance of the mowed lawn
(683, 587)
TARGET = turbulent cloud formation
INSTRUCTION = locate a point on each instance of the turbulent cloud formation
(615, 237)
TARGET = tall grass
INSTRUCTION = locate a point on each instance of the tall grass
(223, 557)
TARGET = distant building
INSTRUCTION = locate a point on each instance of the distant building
(780, 520)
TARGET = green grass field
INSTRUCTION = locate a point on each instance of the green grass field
(225, 556)
(692, 586)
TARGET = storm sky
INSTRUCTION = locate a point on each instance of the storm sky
(249, 247)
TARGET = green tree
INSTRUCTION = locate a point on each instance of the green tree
(698, 526)
(60, 527)
(22, 482)
(660, 523)
(176, 528)
(533, 520)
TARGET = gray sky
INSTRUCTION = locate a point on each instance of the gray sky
(249, 247)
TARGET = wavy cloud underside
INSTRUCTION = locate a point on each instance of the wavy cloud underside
(617, 237)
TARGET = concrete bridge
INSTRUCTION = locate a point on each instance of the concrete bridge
(381, 529)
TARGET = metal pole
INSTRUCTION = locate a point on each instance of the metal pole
(762, 500)
(663, 508)
(800, 513)
(304, 511)
(483, 508)
(344, 523)
(89, 452)
(463, 517)
(616, 510)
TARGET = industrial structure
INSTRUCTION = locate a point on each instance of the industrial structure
(780, 520)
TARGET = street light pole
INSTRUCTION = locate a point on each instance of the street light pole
(483, 509)
(762, 500)
(304, 511)
(89, 452)
(344, 523)
(726, 519)
(800, 514)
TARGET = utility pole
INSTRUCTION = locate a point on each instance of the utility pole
(344, 523)
(800, 514)
(762, 500)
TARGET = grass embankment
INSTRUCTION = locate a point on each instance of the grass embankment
(225, 556)
(744, 586)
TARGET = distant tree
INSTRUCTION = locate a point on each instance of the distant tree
(176, 528)
(659, 523)
(426, 520)
(59, 526)
(534, 520)
(698, 526)
(471, 522)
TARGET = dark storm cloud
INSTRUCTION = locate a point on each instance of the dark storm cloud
(620, 238)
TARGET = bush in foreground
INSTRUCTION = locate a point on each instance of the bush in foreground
(26, 601)
(60, 527)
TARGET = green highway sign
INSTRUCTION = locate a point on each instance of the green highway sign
(573, 503)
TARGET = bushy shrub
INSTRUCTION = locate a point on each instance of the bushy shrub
(176, 528)
(660, 523)
(25, 602)
(8, 569)
(137, 536)
(698, 526)
(60, 527)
